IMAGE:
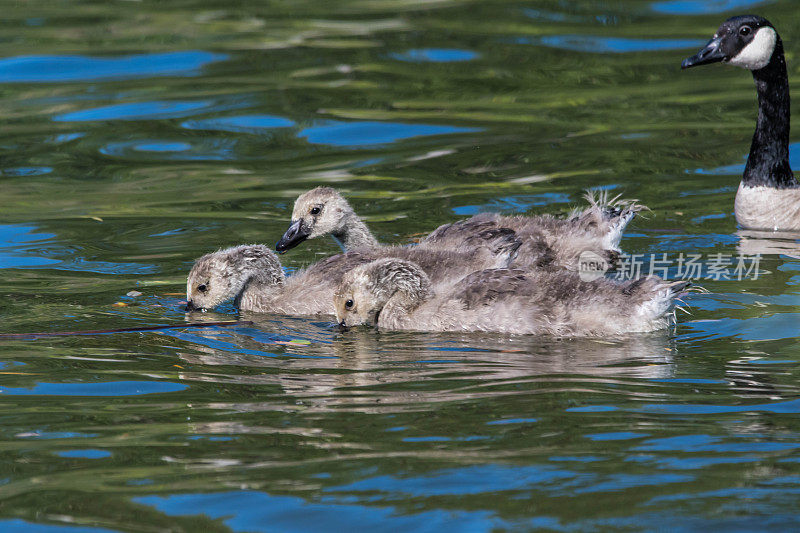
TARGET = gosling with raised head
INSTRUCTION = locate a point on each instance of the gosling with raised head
(546, 240)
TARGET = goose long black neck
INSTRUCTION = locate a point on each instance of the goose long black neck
(768, 162)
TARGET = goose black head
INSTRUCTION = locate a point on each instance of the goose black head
(746, 41)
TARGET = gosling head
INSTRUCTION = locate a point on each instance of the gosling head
(318, 212)
(224, 275)
(746, 41)
(365, 290)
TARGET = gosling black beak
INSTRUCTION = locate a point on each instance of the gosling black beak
(341, 326)
(191, 307)
(296, 234)
(711, 53)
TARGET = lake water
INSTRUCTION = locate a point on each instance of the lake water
(137, 136)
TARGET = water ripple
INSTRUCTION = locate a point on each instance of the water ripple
(85, 454)
(791, 406)
(609, 45)
(435, 55)
(761, 328)
(136, 111)
(15, 525)
(27, 69)
(257, 124)
(351, 134)
(738, 168)
(110, 388)
(702, 7)
(260, 511)
(514, 204)
(171, 150)
(14, 255)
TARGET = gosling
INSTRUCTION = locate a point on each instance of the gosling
(395, 294)
(547, 241)
(252, 276)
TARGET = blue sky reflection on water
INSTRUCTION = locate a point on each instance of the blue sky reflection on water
(16, 525)
(206, 149)
(435, 55)
(14, 243)
(513, 204)
(240, 124)
(136, 111)
(260, 511)
(17, 172)
(85, 454)
(762, 328)
(21, 246)
(369, 133)
(48, 69)
(738, 168)
(609, 45)
(109, 388)
(703, 7)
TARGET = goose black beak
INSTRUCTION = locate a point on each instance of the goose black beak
(711, 53)
(296, 234)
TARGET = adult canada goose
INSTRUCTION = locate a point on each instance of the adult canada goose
(546, 240)
(769, 195)
(396, 294)
(252, 276)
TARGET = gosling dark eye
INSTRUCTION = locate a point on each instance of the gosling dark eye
(315, 210)
(202, 288)
(745, 30)
(348, 304)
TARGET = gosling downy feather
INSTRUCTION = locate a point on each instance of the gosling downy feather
(323, 211)
(397, 295)
(252, 276)
(545, 240)
(551, 241)
(769, 195)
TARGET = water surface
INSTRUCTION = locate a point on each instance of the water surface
(136, 137)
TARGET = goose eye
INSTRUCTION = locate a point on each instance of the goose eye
(348, 304)
(315, 210)
(202, 287)
(745, 30)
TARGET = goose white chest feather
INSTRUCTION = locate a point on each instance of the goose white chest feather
(768, 208)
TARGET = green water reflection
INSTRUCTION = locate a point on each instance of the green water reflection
(138, 136)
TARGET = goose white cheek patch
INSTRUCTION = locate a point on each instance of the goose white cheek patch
(757, 54)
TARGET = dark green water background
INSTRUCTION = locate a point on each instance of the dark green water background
(137, 136)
